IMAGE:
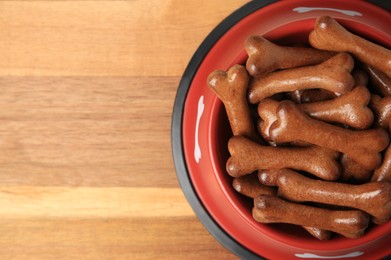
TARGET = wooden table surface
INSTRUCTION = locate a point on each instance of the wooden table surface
(86, 95)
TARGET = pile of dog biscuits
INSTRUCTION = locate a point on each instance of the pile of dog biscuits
(317, 153)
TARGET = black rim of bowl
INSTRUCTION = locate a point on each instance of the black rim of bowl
(177, 116)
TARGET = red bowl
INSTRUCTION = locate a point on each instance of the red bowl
(200, 130)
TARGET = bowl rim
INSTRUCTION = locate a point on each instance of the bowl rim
(176, 129)
(177, 122)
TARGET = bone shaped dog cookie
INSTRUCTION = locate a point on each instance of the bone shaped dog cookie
(373, 198)
(267, 111)
(352, 171)
(362, 146)
(329, 35)
(315, 95)
(319, 233)
(350, 109)
(269, 178)
(383, 173)
(311, 95)
(231, 88)
(248, 156)
(333, 75)
(381, 108)
(250, 186)
(380, 81)
(349, 223)
(265, 56)
(360, 77)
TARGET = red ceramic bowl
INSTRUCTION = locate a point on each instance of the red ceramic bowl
(200, 130)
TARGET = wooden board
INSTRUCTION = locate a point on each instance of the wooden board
(86, 96)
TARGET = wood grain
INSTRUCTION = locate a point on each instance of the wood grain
(86, 95)
(105, 38)
(105, 238)
(87, 131)
(87, 202)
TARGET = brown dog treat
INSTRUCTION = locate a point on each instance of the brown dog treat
(250, 186)
(248, 156)
(268, 177)
(231, 88)
(373, 198)
(318, 233)
(310, 95)
(362, 146)
(360, 77)
(383, 173)
(313, 95)
(295, 96)
(265, 56)
(381, 108)
(349, 109)
(329, 35)
(267, 111)
(259, 125)
(352, 171)
(259, 128)
(379, 81)
(348, 223)
(333, 75)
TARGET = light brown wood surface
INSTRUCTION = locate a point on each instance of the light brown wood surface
(86, 96)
